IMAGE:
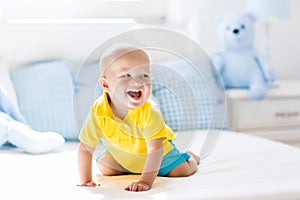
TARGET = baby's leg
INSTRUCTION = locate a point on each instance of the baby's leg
(196, 158)
(186, 168)
(109, 167)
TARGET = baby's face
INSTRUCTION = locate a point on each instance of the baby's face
(128, 80)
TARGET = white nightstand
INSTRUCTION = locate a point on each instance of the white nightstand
(277, 117)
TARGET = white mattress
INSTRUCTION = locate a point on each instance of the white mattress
(240, 167)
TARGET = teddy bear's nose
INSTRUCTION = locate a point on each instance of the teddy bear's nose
(236, 31)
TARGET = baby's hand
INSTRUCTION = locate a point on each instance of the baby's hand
(90, 184)
(138, 186)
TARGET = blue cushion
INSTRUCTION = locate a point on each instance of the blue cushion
(87, 89)
(45, 94)
(186, 97)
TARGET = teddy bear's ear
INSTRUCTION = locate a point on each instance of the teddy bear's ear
(218, 21)
(251, 16)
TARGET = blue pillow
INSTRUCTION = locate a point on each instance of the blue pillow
(45, 94)
(185, 96)
(87, 89)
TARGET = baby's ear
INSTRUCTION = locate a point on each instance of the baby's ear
(103, 82)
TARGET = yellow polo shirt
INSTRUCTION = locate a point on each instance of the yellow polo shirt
(126, 139)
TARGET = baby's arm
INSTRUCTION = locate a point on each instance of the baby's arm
(152, 165)
(85, 156)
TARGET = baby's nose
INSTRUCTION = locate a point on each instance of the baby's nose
(136, 82)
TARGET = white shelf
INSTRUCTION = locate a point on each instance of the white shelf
(276, 117)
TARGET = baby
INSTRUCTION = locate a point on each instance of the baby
(129, 127)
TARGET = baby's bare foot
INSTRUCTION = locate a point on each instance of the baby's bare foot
(196, 158)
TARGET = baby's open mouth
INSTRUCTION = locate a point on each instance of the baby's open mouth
(135, 94)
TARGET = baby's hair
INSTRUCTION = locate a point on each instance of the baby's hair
(114, 52)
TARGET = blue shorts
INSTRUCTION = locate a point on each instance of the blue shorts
(170, 161)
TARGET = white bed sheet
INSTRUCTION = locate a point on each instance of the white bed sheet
(240, 167)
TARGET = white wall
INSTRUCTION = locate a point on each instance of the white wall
(284, 41)
(21, 43)
(26, 43)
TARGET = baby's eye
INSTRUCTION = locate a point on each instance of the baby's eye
(145, 76)
(243, 26)
(126, 75)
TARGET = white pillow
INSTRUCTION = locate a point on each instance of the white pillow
(6, 82)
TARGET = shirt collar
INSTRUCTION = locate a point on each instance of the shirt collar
(103, 107)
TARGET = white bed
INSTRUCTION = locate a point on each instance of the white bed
(239, 167)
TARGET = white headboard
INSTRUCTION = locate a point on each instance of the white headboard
(21, 44)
